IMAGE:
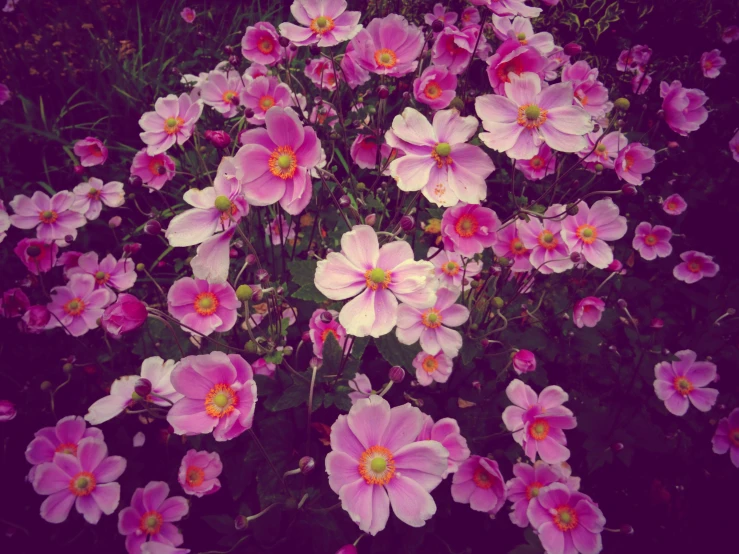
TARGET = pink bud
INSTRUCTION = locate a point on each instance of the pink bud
(326, 317)
(132, 248)
(627, 529)
(347, 549)
(672, 144)
(370, 219)
(233, 253)
(657, 323)
(305, 337)
(573, 49)
(617, 446)
(615, 266)
(477, 385)
(142, 387)
(524, 361)
(8, 411)
(396, 374)
(219, 139)
(79, 170)
(629, 190)
(306, 465)
(115, 221)
(124, 315)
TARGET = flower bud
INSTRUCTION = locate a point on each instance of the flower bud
(305, 337)
(615, 266)
(135, 181)
(572, 209)
(383, 92)
(617, 446)
(68, 239)
(142, 387)
(396, 374)
(115, 222)
(228, 50)
(46, 385)
(67, 368)
(629, 190)
(241, 522)
(219, 139)
(244, 293)
(622, 104)
(598, 168)
(132, 248)
(657, 323)
(572, 49)
(622, 303)
(575, 257)
(79, 170)
(370, 219)
(350, 548)
(524, 361)
(326, 317)
(7, 410)
(248, 113)
(730, 311)
(251, 259)
(673, 145)
(484, 343)
(498, 302)
(152, 227)
(33, 251)
(407, 223)
(314, 50)
(627, 529)
(284, 42)
(233, 253)
(457, 103)
(233, 60)
(251, 347)
(306, 465)
(406, 95)
(437, 26)
(344, 201)
(503, 261)
(140, 267)
(262, 275)
(257, 296)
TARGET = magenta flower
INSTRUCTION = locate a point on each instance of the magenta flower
(172, 121)
(469, 16)
(220, 396)
(566, 521)
(150, 518)
(122, 394)
(633, 162)
(603, 149)
(548, 252)
(320, 329)
(522, 30)
(364, 152)
(439, 12)
(110, 273)
(436, 87)
(587, 231)
(651, 242)
(453, 48)
(90, 151)
(446, 431)
(468, 229)
(683, 107)
(353, 73)
(377, 278)
(640, 82)
(711, 63)
(324, 115)
(674, 204)
(64, 437)
(7, 411)
(514, 58)
(153, 170)
(125, 314)
(361, 386)
(188, 14)
(276, 161)
(279, 231)
(212, 260)
(37, 255)
(432, 368)
(588, 311)
(733, 148)
(36, 319)
(202, 306)
(90, 197)
(730, 34)
(525, 487)
(508, 244)
(726, 437)
(85, 479)
(508, 7)
(199, 472)
(262, 94)
(682, 383)
(53, 218)
(523, 361)
(479, 483)
(634, 58)
(590, 93)
(526, 116)
(432, 325)
(222, 92)
(4, 90)
(263, 367)
(323, 23)
(261, 44)
(4, 221)
(451, 270)
(78, 306)
(374, 464)
(695, 265)
(14, 303)
(321, 73)
(388, 46)
(541, 165)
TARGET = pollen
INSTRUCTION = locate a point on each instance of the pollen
(450, 268)
(547, 240)
(532, 491)
(266, 102)
(194, 476)
(467, 225)
(565, 518)
(432, 90)
(694, 267)
(74, 307)
(156, 166)
(587, 233)
(265, 45)
(431, 318)
(151, 522)
(206, 303)
(322, 24)
(377, 278)
(172, 125)
(101, 278)
(283, 162)
(94, 194)
(82, 484)
(517, 247)
(48, 216)
(386, 58)
(220, 401)
(482, 478)
(430, 364)
(539, 430)
(376, 465)
(650, 240)
(229, 95)
(683, 386)
(531, 116)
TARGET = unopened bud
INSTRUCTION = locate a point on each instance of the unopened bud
(67, 368)
(498, 302)
(241, 522)
(370, 219)
(132, 248)
(622, 303)
(484, 343)
(505, 262)
(575, 257)
(672, 144)
(244, 293)
(573, 49)
(383, 92)
(257, 296)
(598, 168)
(344, 201)
(140, 267)
(437, 26)
(627, 529)
(617, 446)
(46, 385)
(152, 227)
(314, 50)
(262, 275)
(79, 170)
(233, 253)
(306, 465)
(248, 113)
(457, 103)
(326, 317)
(219, 139)
(407, 223)
(622, 104)
(251, 347)
(629, 190)
(68, 239)
(284, 42)
(396, 374)
(305, 337)
(228, 50)
(115, 222)
(142, 387)
(615, 266)
(572, 209)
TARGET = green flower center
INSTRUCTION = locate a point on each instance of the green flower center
(220, 400)
(100, 275)
(532, 113)
(377, 275)
(321, 21)
(223, 204)
(378, 465)
(443, 149)
(205, 303)
(587, 233)
(521, 36)
(284, 161)
(386, 58)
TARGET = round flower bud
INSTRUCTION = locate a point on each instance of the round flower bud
(251, 347)
(33, 251)
(46, 385)
(140, 267)
(68, 239)
(572, 209)
(306, 465)
(251, 259)
(484, 343)
(498, 302)
(617, 446)
(262, 275)
(573, 49)
(350, 548)
(627, 529)
(241, 522)
(474, 327)
(67, 368)
(505, 262)
(305, 337)
(406, 95)
(152, 227)
(228, 50)
(115, 222)
(629, 190)
(257, 296)
(615, 266)
(437, 26)
(244, 293)
(730, 311)
(222, 203)
(622, 303)
(219, 139)
(344, 201)
(457, 103)
(248, 113)
(79, 170)
(383, 92)
(657, 323)
(673, 145)
(174, 70)
(284, 42)
(407, 223)
(396, 374)
(233, 60)
(233, 253)
(622, 104)
(370, 219)
(142, 387)
(599, 167)
(135, 181)
(326, 317)
(575, 257)
(314, 50)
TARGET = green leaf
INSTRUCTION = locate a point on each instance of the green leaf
(396, 353)
(222, 524)
(265, 385)
(571, 20)
(274, 357)
(309, 292)
(358, 347)
(293, 396)
(302, 271)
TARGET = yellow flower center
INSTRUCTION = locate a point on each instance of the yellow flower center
(431, 318)
(266, 102)
(539, 430)
(101, 278)
(173, 124)
(565, 518)
(450, 268)
(517, 247)
(482, 478)
(82, 484)
(220, 401)
(430, 364)
(74, 307)
(151, 522)
(546, 240)
(586, 233)
(467, 225)
(48, 216)
(376, 465)
(683, 386)
(194, 476)
(94, 194)
(206, 303)
(432, 90)
(229, 95)
(322, 24)
(386, 58)
(531, 116)
(283, 162)
(377, 278)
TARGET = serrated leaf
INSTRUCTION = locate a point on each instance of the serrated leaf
(302, 271)
(274, 357)
(332, 355)
(358, 347)
(293, 396)
(571, 20)
(309, 292)
(396, 353)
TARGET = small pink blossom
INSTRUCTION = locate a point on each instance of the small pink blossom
(589, 92)
(447, 432)
(524, 361)
(53, 218)
(525, 487)
(470, 16)
(78, 306)
(114, 274)
(588, 311)
(451, 270)
(508, 244)
(587, 231)
(726, 438)
(479, 483)
(733, 148)
(43, 258)
(521, 29)
(514, 58)
(603, 149)
(322, 23)
(124, 315)
(651, 242)
(263, 367)
(320, 330)
(508, 7)
(544, 163)
(633, 162)
(468, 229)
(432, 368)
(90, 151)
(436, 87)
(730, 34)
(172, 121)
(154, 171)
(188, 14)
(14, 303)
(684, 109)
(204, 307)
(634, 58)
(279, 231)
(7, 411)
(674, 204)
(36, 319)
(90, 197)
(199, 472)
(439, 12)
(548, 252)
(453, 48)
(222, 92)
(388, 46)
(321, 73)
(261, 44)
(711, 63)
(262, 94)
(640, 82)
(683, 382)
(694, 267)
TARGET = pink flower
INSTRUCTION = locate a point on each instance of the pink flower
(324, 115)
(323, 23)
(262, 94)
(321, 73)
(437, 161)
(651, 242)
(640, 82)
(199, 472)
(153, 170)
(7, 411)
(36, 319)
(603, 149)
(733, 147)
(77, 307)
(440, 13)
(548, 252)
(468, 229)
(90, 151)
(377, 278)
(446, 431)
(4, 92)
(125, 314)
(682, 383)
(695, 265)
(261, 44)
(590, 93)
(521, 29)
(436, 87)
(263, 367)
(633, 59)
(566, 521)
(588, 311)
(537, 422)
(202, 306)
(354, 74)
(432, 368)
(479, 483)
(519, 122)
(726, 437)
(43, 258)
(525, 487)
(110, 273)
(149, 519)
(172, 121)
(514, 58)
(84, 478)
(730, 34)
(121, 397)
(279, 231)
(320, 330)
(364, 152)
(91, 196)
(524, 361)
(14, 303)
(450, 268)
(4, 221)
(361, 386)
(633, 162)
(542, 164)
(587, 231)
(188, 14)
(711, 63)
(674, 204)
(453, 48)
(388, 46)
(212, 260)
(470, 16)
(508, 244)
(431, 325)
(222, 91)
(508, 7)
(220, 396)
(370, 449)
(53, 218)
(683, 107)
(276, 161)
